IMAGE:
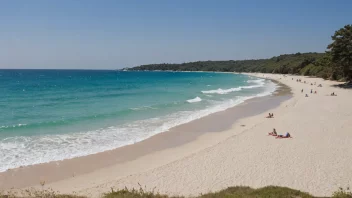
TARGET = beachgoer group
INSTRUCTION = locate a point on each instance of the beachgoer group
(274, 133)
(271, 115)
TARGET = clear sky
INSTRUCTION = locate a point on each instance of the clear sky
(114, 34)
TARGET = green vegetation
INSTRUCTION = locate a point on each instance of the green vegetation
(341, 51)
(231, 192)
(246, 192)
(335, 64)
(303, 64)
(342, 193)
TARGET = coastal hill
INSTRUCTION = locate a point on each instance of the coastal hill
(309, 64)
(335, 64)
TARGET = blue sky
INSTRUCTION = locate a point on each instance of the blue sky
(86, 34)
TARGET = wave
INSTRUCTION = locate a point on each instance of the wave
(72, 120)
(13, 126)
(269, 89)
(196, 99)
(142, 108)
(258, 83)
(222, 91)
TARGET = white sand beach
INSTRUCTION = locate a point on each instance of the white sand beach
(317, 159)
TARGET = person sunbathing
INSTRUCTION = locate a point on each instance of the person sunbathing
(288, 135)
(273, 133)
(271, 115)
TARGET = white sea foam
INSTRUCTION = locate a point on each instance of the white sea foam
(269, 89)
(13, 126)
(221, 91)
(142, 108)
(21, 151)
(196, 99)
(258, 83)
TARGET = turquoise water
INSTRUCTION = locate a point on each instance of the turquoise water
(49, 115)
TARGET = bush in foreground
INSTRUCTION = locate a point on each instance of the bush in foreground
(231, 192)
(342, 193)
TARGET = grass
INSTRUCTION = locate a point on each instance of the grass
(246, 192)
(231, 192)
(342, 193)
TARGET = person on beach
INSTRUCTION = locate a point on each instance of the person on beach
(288, 135)
(274, 133)
(333, 94)
(302, 91)
(270, 115)
(315, 92)
(311, 91)
(306, 95)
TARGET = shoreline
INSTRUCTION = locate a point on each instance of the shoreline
(316, 160)
(31, 175)
(111, 128)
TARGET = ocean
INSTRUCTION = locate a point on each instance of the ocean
(49, 115)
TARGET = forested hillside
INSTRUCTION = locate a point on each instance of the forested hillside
(316, 64)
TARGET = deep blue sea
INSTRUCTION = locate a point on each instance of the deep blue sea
(48, 115)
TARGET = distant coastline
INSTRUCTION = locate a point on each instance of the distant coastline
(305, 64)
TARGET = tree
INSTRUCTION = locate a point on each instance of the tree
(341, 51)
